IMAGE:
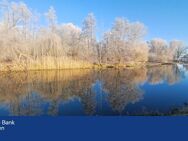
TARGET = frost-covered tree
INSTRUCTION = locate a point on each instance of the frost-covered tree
(158, 50)
(124, 40)
(51, 43)
(51, 17)
(177, 49)
(16, 19)
(88, 35)
(162, 51)
(16, 15)
(70, 35)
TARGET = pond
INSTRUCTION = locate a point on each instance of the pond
(153, 91)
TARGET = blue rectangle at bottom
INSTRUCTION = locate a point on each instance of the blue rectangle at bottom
(93, 128)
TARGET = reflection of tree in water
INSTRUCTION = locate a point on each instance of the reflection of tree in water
(82, 88)
(51, 86)
(185, 66)
(89, 102)
(122, 87)
(181, 110)
(53, 108)
(69, 88)
(120, 97)
(29, 105)
(56, 87)
(169, 73)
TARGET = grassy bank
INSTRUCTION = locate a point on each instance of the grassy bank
(45, 63)
(49, 63)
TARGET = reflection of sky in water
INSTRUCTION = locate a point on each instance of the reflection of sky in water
(4, 110)
(162, 97)
(100, 98)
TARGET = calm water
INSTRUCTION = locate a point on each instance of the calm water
(144, 91)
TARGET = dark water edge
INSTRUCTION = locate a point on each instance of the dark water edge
(153, 91)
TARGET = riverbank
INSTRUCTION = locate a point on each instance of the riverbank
(45, 63)
(58, 64)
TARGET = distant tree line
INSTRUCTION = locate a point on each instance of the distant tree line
(23, 39)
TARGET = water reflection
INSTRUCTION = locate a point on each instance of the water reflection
(122, 87)
(169, 73)
(86, 92)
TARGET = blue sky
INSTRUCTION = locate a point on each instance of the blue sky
(167, 19)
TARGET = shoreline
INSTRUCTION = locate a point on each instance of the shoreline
(7, 67)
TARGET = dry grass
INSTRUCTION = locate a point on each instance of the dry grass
(45, 63)
(60, 63)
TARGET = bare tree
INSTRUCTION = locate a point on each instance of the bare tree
(158, 50)
(88, 35)
(124, 40)
(177, 49)
(51, 18)
(70, 35)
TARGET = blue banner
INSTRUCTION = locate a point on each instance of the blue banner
(93, 128)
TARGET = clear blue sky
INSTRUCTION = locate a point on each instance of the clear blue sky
(167, 19)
